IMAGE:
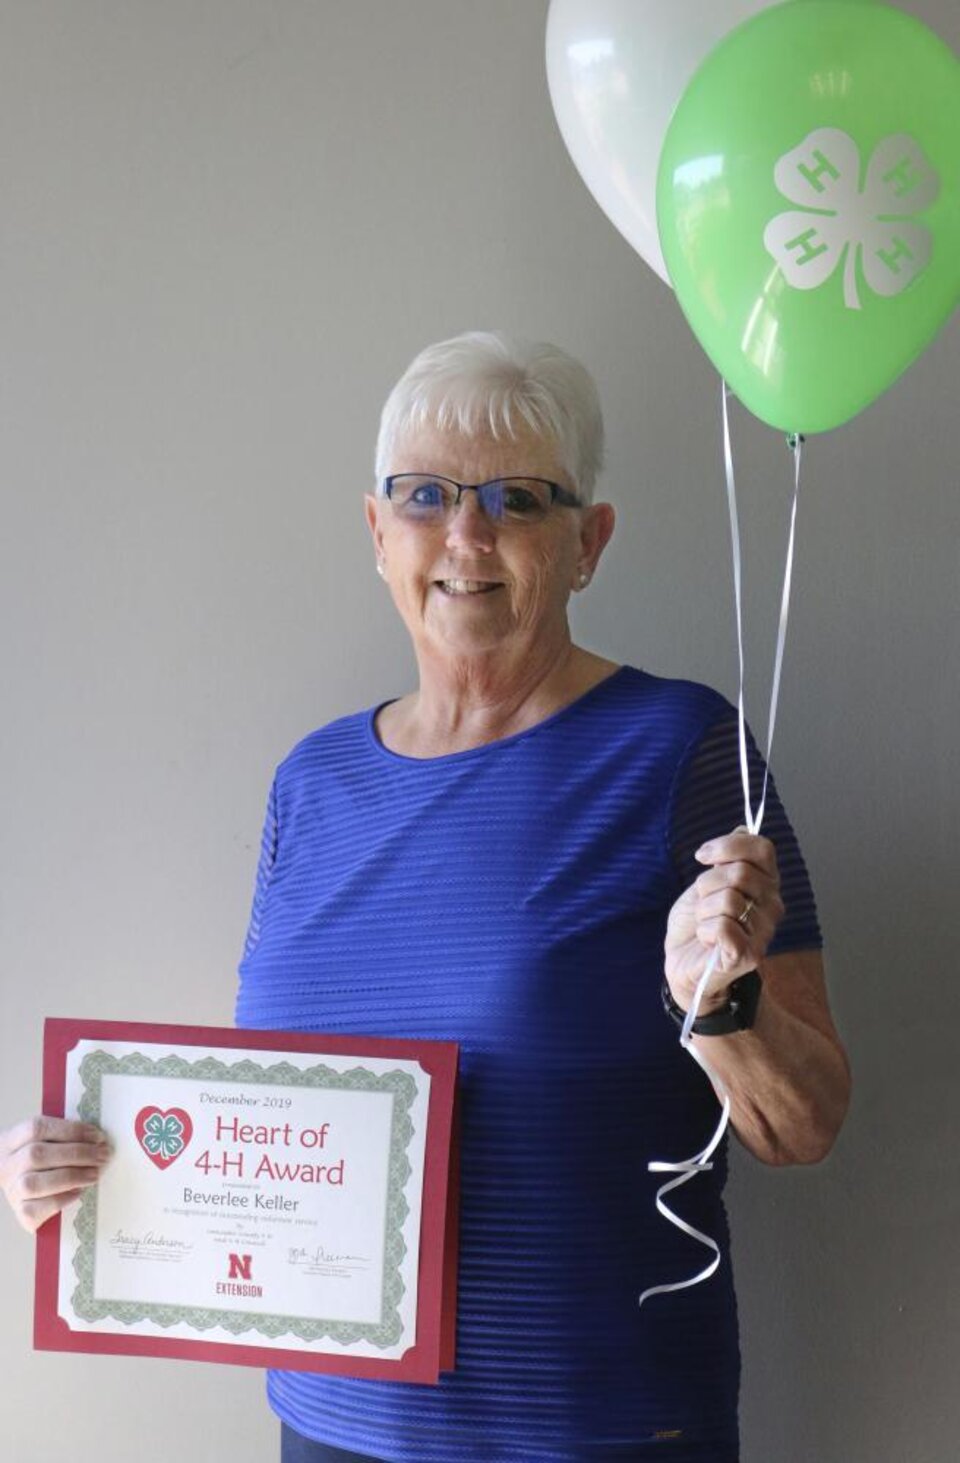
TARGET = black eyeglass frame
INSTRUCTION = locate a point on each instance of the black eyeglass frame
(559, 496)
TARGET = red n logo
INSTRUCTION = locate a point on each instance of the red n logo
(241, 1267)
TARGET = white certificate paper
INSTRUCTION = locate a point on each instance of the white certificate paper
(262, 1200)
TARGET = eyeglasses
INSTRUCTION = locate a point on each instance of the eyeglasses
(426, 498)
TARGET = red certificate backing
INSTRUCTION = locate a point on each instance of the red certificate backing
(433, 1350)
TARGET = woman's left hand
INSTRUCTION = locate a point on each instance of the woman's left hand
(735, 903)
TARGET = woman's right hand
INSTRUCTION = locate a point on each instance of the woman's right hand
(47, 1162)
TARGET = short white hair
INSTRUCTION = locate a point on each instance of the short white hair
(488, 381)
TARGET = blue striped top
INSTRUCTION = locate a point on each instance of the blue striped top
(513, 898)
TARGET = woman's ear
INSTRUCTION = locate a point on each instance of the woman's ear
(372, 514)
(596, 530)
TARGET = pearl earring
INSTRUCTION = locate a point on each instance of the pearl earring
(584, 578)
(380, 569)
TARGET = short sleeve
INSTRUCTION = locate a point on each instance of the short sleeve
(268, 857)
(707, 801)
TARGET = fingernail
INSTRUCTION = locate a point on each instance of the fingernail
(104, 1151)
(704, 851)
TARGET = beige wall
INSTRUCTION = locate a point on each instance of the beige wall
(225, 228)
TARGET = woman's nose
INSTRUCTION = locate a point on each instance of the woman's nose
(469, 526)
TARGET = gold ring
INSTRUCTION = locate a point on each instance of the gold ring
(748, 909)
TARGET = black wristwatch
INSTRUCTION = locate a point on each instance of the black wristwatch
(738, 1015)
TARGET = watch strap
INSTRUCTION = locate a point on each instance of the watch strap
(738, 1014)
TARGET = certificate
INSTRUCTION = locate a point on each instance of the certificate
(274, 1199)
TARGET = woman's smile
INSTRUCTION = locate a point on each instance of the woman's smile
(464, 588)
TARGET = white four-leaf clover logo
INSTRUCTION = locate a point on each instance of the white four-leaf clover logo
(163, 1135)
(843, 221)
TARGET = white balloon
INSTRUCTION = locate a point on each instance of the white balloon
(616, 71)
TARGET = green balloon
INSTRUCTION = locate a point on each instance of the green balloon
(808, 202)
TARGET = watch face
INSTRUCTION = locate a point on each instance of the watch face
(744, 996)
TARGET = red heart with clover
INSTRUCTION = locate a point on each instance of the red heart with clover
(163, 1135)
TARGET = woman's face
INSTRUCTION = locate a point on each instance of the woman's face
(533, 566)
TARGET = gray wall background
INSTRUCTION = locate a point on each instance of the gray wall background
(226, 227)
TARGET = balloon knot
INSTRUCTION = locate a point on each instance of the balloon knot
(794, 439)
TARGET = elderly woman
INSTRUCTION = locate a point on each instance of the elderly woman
(530, 854)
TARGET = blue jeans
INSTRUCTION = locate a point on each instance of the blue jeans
(297, 1449)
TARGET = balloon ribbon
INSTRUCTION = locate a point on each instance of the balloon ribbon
(685, 1169)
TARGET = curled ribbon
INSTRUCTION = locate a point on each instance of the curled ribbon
(684, 1169)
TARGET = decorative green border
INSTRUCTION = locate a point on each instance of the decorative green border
(383, 1333)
